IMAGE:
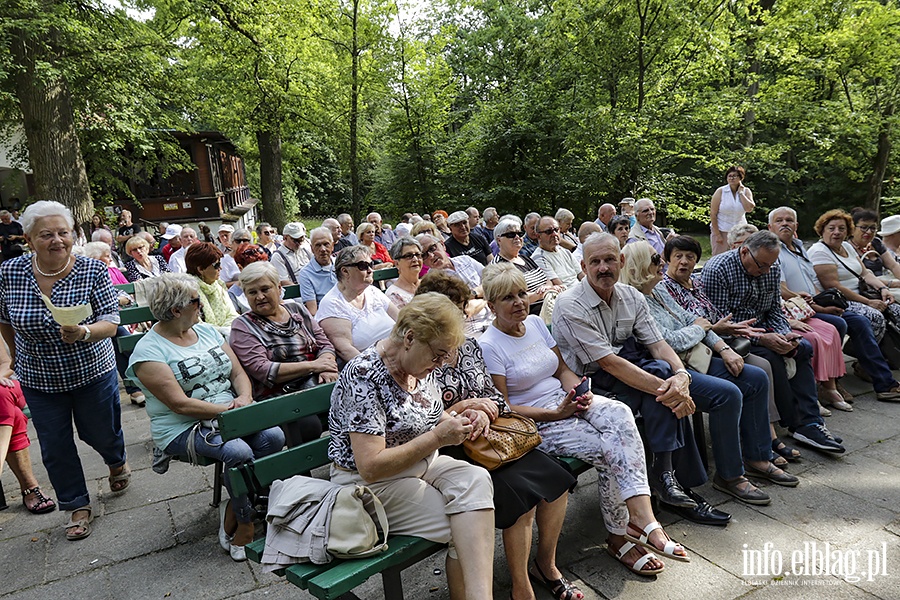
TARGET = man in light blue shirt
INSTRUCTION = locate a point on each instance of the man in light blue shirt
(317, 278)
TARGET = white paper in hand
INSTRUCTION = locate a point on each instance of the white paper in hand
(67, 315)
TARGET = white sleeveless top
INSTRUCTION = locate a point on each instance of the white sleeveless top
(731, 211)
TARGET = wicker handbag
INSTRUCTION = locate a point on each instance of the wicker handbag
(510, 437)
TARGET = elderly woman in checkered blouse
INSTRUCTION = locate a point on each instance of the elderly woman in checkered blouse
(67, 372)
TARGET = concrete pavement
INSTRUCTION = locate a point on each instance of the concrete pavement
(158, 539)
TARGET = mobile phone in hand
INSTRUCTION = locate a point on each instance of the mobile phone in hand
(582, 388)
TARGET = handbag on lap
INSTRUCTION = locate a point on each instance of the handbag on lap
(510, 437)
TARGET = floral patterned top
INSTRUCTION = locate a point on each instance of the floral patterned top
(693, 300)
(468, 378)
(366, 399)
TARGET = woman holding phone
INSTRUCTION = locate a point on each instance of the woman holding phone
(527, 368)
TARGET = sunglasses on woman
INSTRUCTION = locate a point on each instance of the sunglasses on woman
(362, 265)
(512, 234)
(654, 260)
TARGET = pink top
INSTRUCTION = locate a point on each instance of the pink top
(116, 275)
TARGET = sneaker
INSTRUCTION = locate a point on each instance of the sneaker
(817, 436)
(891, 395)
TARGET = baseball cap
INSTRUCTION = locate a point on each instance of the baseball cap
(172, 231)
(294, 230)
(225, 227)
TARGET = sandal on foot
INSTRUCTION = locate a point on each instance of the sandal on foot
(638, 567)
(138, 398)
(562, 588)
(668, 550)
(779, 461)
(785, 452)
(119, 483)
(83, 524)
(43, 504)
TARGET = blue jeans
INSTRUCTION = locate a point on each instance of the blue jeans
(738, 409)
(122, 362)
(865, 348)
(796, 398)
(97, 414)
(232, 453)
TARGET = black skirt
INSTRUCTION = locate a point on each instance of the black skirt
(520, 486)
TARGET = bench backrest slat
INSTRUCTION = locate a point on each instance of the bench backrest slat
(283, 465)
(382, 274)
(275, 411)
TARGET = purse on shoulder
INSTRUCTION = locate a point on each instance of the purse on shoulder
(510, 437)
(697, 358)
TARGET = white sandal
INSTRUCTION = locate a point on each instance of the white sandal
(638, 567)
(668, 550)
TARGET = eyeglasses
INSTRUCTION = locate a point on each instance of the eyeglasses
(549, 231)
(410, 256)
(431, 250)
(869, 228)
(362, 265)
(195, 301)
(440, 359)
(242, 241)
(217, 264)
(654, 260)
(761, 267)
(513, 234)
(270, 232)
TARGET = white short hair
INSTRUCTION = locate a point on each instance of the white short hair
(42, 209)
(96, 249)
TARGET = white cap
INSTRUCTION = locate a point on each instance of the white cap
(172, 231)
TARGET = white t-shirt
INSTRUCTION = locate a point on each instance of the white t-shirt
(176, 261)
(558, 265)
(527, 362)
(368, 324)
(820, 254)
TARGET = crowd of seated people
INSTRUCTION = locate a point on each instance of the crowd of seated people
(454, 340)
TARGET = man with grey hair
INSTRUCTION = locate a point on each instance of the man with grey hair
(337, 238)
(798, 278)
(346, 222)
(188, 238)
(474, 227)
(317, 278)
(604, 215)
(604, 330)
(557, 263)
(486, 230)
(745, 283)
(383, 235)
(531, 241)
(645, 228)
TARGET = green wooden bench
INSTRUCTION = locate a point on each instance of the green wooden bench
(338, 578)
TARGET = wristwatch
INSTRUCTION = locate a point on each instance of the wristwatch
(87, 333)
(686, 372)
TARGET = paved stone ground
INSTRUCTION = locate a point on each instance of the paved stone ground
(158, 540)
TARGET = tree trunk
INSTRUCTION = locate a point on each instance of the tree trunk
(54, 152)
(355, 200)
(882, 157)
(270, 182)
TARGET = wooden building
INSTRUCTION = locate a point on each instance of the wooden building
(215, 191)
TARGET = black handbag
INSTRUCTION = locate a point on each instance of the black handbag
(831, 297)
(741, 345)
(865, 290)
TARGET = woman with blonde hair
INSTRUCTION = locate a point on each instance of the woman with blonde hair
(387, 423)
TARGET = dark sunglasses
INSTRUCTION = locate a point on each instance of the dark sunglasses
(195, 301)
(242, 241)
(512, 234)
(217, 264)
(549, 231)
(654, 260)
(362, 265)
